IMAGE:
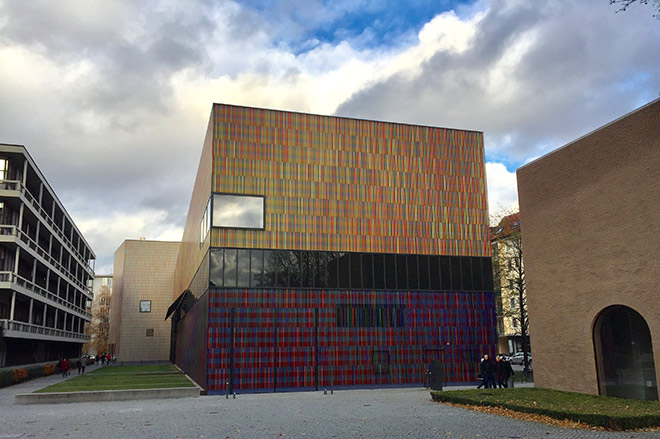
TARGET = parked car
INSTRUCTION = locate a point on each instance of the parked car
(519, 358)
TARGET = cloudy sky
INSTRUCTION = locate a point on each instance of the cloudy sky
(112, 98)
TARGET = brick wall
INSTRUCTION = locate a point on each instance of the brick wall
(591, 214)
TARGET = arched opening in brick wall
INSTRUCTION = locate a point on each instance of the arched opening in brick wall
(624, 354)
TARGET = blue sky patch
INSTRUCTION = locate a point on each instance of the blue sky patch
(364, 23)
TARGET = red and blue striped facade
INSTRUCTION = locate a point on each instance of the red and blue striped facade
(338, 186)
(283, 339)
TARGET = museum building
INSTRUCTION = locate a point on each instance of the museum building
(323, 251)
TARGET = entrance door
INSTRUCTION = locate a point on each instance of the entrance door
(624, 354)
(434, 368)
(381, 366)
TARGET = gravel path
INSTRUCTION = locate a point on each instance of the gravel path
(382, 413)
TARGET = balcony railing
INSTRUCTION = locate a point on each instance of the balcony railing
(8, 276)
(9, 185)
(28, 328)
(18, 186)
(13, 231)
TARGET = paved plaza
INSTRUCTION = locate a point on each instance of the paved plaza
(382, 413)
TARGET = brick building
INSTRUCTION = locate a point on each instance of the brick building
(590, 212)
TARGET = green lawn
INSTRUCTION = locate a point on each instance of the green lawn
(601, 411)
(123, 377)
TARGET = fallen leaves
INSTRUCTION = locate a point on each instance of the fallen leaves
(499, 411)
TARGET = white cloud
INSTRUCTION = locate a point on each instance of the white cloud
(106, 233)
(502, 189)
(113, 103)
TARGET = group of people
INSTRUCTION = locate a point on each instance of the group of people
(81, 364)
(495, 373)
(103, 358)
(65, 367)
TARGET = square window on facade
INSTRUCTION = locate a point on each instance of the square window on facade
(150, 332)
(239, 211)
(145, 305)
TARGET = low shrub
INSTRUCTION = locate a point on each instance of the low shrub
(35, 371)
(6, 377)
(48, 369)
(20, 375)
(520, 377)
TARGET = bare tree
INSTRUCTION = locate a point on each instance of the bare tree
(100, 328)
(509, 271)
(625, 4)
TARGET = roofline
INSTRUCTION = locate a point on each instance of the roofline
(347, 117)
(29, 158)
(151, 240)
(654, 101)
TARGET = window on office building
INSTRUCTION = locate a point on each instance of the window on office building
(145, 305)
(3, 169)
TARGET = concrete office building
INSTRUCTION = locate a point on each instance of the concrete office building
(45, 267)
(143, 274)
(325, 251)
(590, 212)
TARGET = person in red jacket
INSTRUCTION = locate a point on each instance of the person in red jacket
(65, 367)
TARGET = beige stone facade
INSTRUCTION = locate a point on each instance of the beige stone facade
(591, 214)
(142, 292)
(508, 271)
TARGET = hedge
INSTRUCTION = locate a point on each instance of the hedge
(611, 421)
(6, 377)
(9, 376)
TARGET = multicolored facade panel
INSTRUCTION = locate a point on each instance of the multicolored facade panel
(341, 184)
(363, 260)
(271, 339)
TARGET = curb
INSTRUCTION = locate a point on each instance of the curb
(107, 395)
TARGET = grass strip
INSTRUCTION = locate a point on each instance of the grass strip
(132, 370)
(123, 378)
(599, 411)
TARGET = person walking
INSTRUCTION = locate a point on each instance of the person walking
(482, 383)
(500, 372)
(506, 371)
(488, 371)
(79, 365)
(65, 367)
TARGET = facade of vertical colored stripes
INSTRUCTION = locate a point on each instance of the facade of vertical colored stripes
(325, 251)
